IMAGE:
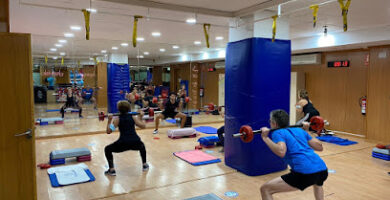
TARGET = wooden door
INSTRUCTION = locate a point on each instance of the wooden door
(17, 166)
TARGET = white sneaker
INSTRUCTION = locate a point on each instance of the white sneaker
(155, 131)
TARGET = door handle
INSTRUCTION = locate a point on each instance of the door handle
(28, 134)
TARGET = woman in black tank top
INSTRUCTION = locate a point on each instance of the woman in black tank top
(306, 107)
(71, 103)
(128, 138)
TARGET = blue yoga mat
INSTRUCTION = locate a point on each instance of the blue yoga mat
(53, 110)
(206, 129)
(336, 140)
(381, 156)
(172, 121)
(54, 181)
(210, 196)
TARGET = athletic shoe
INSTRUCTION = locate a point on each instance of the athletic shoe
(155, 131)
(145, 167)
(111, 173)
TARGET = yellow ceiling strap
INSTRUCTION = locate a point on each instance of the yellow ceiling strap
(62, 61)
(135, 29)
(46, 59)
(86, 19)
(315, 11)
(274, 27)
(206, 28)
(344, 12)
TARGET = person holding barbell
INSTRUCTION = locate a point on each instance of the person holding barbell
(172, 110)
(128, 139)
(296, 147)
(306, 107)
(71, 102)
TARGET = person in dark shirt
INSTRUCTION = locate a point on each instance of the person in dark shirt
(172, 110)
(306, 107)
(128, 138)
(71, 102)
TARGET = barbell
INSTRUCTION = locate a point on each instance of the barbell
(247, 134)
(102, 116)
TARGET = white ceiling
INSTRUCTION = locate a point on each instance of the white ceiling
(223, 5)
(47, 20)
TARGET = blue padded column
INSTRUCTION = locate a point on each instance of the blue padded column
(257, 81)
(118, 78)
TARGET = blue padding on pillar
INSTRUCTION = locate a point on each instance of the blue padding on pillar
(257, 81)
(118, 79)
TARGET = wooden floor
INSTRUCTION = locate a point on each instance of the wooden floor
(90, 124)
(357, 175)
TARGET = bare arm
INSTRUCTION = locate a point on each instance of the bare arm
(300, 104)
(115, 123)
(138, 121)
(277, 148)
(315, 144)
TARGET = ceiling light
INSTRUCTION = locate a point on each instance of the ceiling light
(162, 50)
(104, 51)
(191, 21)
(124, 44)
(55, 58)
(75, 28)
(68, 35)
(197, 43)
(114, 48)
(156, 34)
(62, 41)
(219, 38)
(92, 10)
(58, 45)
(90, 58)
(62, 54)
(140, 39)
(175, 47)
(141, 56)
(53, 49)
(146, 53)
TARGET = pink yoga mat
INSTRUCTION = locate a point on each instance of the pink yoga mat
(197, 157)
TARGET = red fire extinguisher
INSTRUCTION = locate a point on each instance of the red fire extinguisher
(363, 104)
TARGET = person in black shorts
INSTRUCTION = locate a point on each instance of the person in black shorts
(306, 107)
(296, 147)
(128, 139)
(71, 102)
(171, 110)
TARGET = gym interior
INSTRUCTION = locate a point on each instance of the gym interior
(169, 99)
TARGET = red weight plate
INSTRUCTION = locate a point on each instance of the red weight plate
(247, 133)
(317, 123)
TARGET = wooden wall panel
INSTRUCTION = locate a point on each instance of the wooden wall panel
(4, 16)
(335, 92)
(378, 100)
(157, 75)
(210, 83)
(101, 74)
(89, 72)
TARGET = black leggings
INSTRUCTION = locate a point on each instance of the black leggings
(73, 106)
(220, 132)
(121, 146)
